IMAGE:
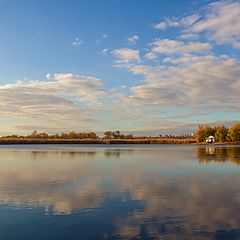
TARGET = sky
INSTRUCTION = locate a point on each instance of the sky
(142, 67)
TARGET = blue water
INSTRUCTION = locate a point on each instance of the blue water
(75, 192)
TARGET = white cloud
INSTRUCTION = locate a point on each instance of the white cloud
(126, 55)
(203, 81)
(48, 76)
(77, 42)
(172, 22)
(220, 23)
(189, 36)
(176, 22)
(150, 56)
(67, 96)
(133, 39)
(105, 51)
(168, 46)
(89, 89)
(189, 20)
(161, 26)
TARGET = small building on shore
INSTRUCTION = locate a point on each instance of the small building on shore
(210, 139)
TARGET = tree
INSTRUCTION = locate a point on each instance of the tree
(200, 135)
(129, 136)
(221, 134)
(234, 133)
(116, 134)
(210, 131)
(108, 134)
(203, 132)
(42, 135)
(34, 134)
(91, 135)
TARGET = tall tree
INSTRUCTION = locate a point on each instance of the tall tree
(200, 135)
(234, 132)
(221, 134)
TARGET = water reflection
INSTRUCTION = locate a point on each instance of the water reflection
(148, 193)
(117, 152)
(219, 154)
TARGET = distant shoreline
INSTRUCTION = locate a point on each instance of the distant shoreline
(6, 141)
(19, 141)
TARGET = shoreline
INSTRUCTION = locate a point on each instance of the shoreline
(22, 141)
(15, 141)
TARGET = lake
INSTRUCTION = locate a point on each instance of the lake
(75, 192)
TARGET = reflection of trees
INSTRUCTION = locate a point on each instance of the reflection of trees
(218, 154)
(117, 152)
(84, 153)
(62, 154)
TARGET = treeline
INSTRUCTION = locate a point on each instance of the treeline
(221, 133)
(116, 135)
(71, 135)
(92, 135)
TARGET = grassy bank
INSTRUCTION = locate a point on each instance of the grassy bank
(220, 143)
(4, 141)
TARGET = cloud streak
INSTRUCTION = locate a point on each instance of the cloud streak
(220, 23)
(217, 22)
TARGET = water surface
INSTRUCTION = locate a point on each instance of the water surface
(119, 192)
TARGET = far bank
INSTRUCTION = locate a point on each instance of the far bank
(4, 141)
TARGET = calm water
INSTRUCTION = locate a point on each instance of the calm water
(116, 192)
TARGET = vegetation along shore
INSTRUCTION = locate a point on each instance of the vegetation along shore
(221, 135)
(110, 137)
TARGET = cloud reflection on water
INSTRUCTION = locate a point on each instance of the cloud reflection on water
(179, 195)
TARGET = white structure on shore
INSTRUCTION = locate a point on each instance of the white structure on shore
(210, 139)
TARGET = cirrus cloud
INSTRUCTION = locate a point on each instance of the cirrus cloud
(220, 22)
(217, 22)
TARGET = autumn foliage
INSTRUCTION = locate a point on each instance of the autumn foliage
(221, 133)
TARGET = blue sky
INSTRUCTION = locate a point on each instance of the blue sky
(148, 67)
